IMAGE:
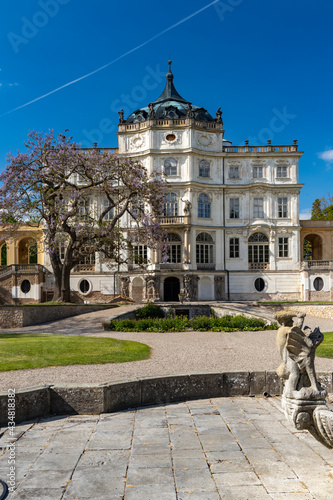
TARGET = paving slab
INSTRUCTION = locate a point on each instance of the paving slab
(234, 448)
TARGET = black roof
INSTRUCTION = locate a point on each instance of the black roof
(170, 105)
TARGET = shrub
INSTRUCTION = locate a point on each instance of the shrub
(182, 323)
(150, 310)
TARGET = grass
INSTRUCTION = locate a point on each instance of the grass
(22, 351)
(325, 350)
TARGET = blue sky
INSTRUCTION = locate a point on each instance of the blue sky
(267, 64)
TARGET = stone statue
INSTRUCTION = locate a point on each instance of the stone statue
(152, 288)
(219, 115)
(189, 111)
(303, 398)
(187, 207)
(121, 116)
(151, 110)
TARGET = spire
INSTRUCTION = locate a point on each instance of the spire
(170, 93)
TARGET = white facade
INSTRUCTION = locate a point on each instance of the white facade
(231, 211)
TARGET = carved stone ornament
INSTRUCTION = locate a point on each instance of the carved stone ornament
(205, 140)
(219, 287)
(124, 286)
(176, 139)
(191, 287)
(153, 288)
(303, 398)
(137, 141)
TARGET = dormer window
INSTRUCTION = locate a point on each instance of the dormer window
(171, 112)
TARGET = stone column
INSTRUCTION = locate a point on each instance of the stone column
(187, 246)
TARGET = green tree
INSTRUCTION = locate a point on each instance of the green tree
(322, 208)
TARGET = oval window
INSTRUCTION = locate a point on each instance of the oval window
(170, 137)
(259, 284)
(318, 284)
(84, 286)
(25, 286)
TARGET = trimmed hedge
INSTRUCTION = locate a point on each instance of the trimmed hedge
(150, 310)
(182, 323)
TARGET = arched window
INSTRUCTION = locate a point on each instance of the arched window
(170, 166)
(258, 251)
(174, 249)
(171, 205)
(204, 206)
(4, 255)
(204, 168)
(205, 249)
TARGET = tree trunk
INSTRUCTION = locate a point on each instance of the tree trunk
(65, 283)
(57, 273)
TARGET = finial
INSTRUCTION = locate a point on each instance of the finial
(169, 74)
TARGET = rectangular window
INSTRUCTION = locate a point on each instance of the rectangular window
(283, 247)
(234, 248)
(281, 171)
(205, 254)
(258, 208)
(233, 173)
(84, 209)
(139, 253)
(257, 172)
(282, 207)
(234, 208)
(108, 215)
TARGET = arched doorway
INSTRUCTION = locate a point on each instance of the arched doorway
(313, 247)
(171, 289)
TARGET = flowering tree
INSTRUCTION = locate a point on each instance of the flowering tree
(80, 198)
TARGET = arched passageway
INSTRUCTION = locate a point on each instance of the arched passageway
(171, 289)
(312, 247)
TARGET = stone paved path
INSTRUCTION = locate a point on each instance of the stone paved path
(226, 448)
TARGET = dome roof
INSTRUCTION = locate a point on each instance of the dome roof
(170, 105)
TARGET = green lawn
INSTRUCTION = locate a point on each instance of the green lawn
(20, 351)
(325, 350)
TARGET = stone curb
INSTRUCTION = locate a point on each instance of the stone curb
(42, 401)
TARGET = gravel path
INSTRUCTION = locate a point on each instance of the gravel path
(186, 352)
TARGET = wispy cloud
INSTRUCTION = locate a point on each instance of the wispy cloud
(87, 75)
(326, 155)
(15, 84)
(305, 214)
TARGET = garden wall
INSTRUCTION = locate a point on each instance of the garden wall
(318, 310)
(26, 315)
(43, 401)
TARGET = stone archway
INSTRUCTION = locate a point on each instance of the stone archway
(171, 289)
(312, 247)
(27, 251)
